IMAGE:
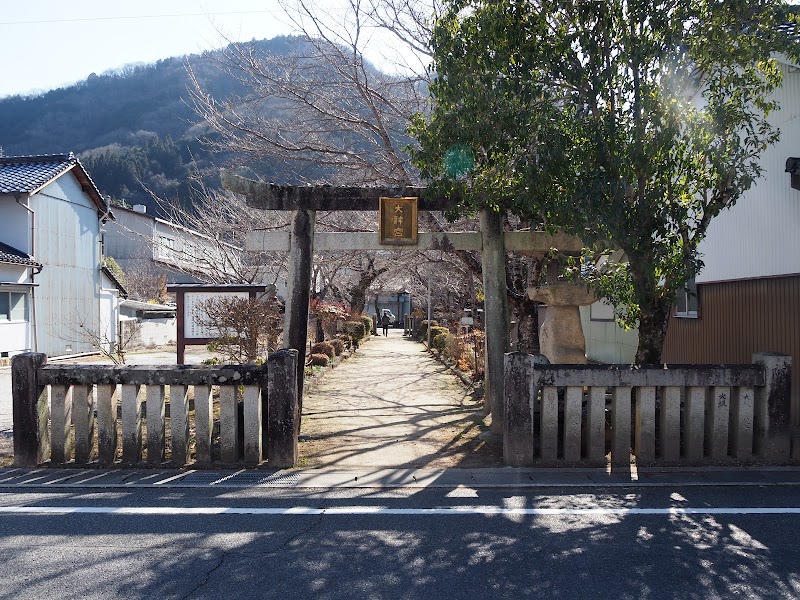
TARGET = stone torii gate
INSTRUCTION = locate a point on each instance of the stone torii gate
(300, 242)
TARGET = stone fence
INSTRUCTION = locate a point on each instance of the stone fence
(79, 413)
(671, 414)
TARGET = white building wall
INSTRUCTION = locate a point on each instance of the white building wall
(14, 338)
(129, 236)
(134, 242)
(760, 235)
(158, 332)
(15, 229)
(607, 342)
(67, 244)
(109, 313)
(13, 273)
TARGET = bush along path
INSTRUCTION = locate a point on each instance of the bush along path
(392, 405)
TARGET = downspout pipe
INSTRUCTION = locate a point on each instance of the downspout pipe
(34, 270)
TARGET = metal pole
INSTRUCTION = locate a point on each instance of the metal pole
(429, 310)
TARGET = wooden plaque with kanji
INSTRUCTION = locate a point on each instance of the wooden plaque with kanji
(398, 221)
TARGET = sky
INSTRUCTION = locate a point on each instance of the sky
(47, 44)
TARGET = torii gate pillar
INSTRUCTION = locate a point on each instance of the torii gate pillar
(295, 321)
(495, 312)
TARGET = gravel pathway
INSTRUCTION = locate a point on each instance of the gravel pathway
(391, 405)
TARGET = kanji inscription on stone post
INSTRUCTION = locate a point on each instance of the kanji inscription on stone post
(398, 221)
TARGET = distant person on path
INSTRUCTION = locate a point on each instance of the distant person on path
(385, 324)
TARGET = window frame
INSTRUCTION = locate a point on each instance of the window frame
(167, 248)
(12, 307)
(683, 297)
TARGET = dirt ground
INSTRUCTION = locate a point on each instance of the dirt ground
(391, 405)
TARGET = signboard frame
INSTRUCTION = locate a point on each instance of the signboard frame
(209, 291)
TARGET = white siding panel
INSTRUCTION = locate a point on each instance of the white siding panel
(760, 235)
(130, 236)
(607, 342)
(67, 234)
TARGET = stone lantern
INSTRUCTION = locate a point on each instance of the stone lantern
(561, 336)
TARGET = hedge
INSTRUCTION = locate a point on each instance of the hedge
(319, 360)
(323, 348)
(367, 324)
(423, 328)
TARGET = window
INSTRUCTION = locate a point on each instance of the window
(13, 306)
(166, 247)
(687, 301)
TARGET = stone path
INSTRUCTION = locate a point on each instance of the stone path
(391, 405)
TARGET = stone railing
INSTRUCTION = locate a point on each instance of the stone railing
(670, 414)
(79, 413)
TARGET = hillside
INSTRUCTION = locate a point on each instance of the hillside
(129, 127)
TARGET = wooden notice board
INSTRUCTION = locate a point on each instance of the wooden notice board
(188, 297)
(398, 221)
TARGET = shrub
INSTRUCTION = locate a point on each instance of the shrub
(338, 346)
(318, 360)
(454, 347)
(367, 324)
(345, 339)
(436, 330)
(439, 341)
(466, 362)
(323, 348)
(356, 330)
(245, 329)
(423, 328)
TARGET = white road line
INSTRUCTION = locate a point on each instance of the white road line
(178, 476)
(381, 510)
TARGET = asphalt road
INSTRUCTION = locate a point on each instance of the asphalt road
(168, 541)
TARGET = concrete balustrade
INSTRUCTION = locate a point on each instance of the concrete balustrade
(83, 422)
(133, 399)
(63, 438)
(671, 414)
(131, 423)
(203, 423)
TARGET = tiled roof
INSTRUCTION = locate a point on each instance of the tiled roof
(16, 257)
(148, 307)
(26, 174)
(29, 174)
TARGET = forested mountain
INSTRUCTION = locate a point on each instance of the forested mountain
(131, 128)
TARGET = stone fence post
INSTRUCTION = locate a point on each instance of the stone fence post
(31, 411)
(519, 398)
(283, 409)
(773, 406)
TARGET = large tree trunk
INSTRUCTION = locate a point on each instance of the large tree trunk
(654, 312)
(527, 327)
(358, 293)
(522, 273)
